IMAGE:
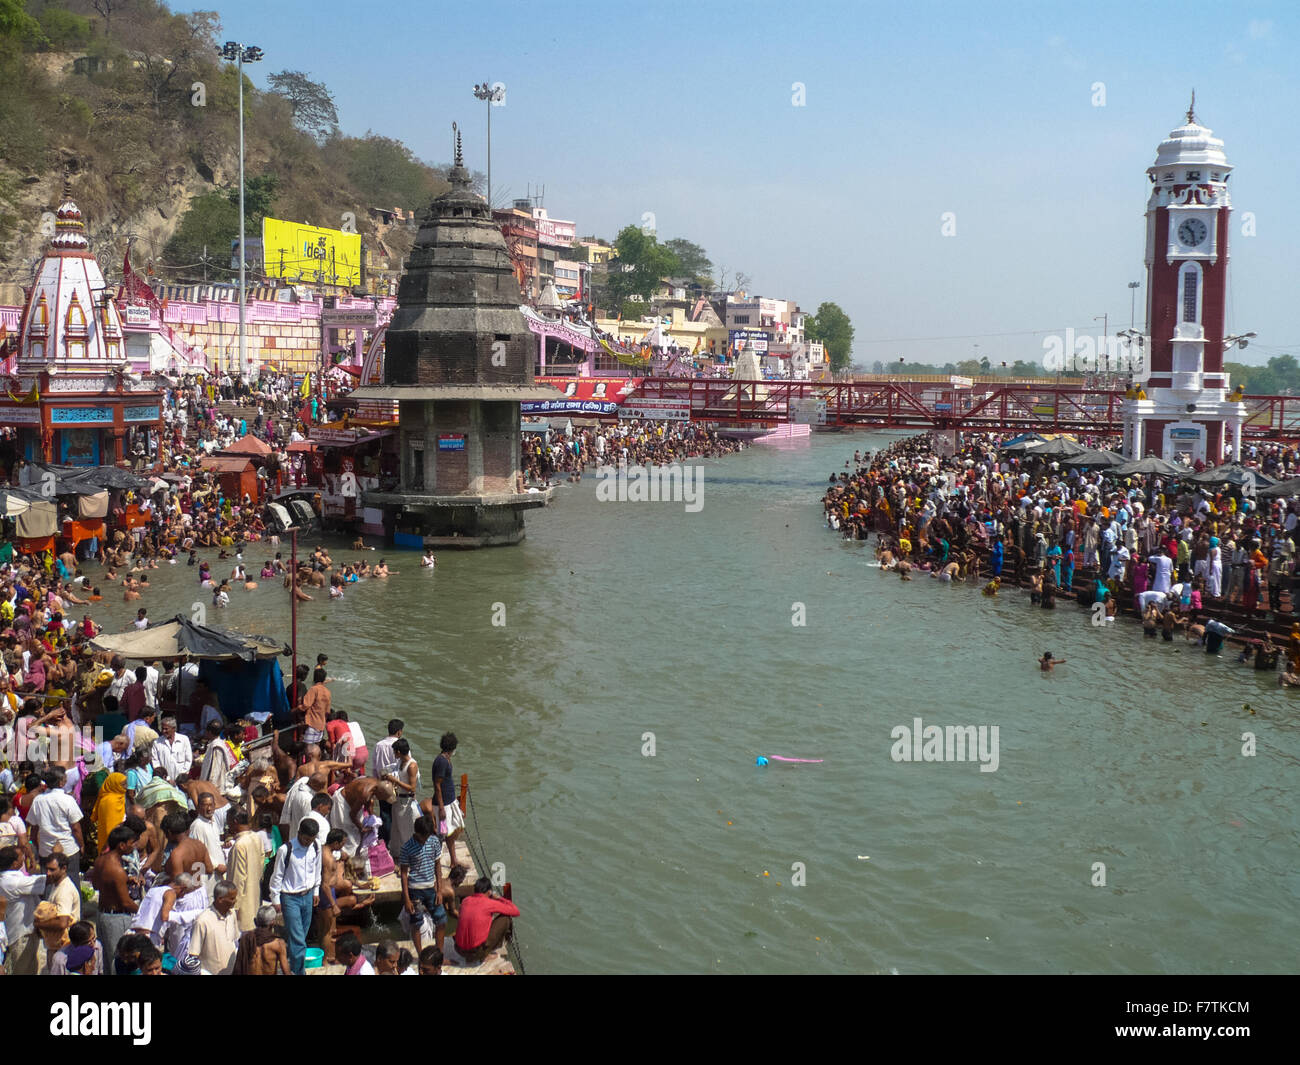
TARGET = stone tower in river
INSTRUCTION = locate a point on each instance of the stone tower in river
(459, 361)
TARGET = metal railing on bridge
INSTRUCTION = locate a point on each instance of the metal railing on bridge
(936, 405)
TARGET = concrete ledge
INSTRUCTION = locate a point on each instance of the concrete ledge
(416, 501)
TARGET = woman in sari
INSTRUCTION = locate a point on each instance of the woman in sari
(110, 807)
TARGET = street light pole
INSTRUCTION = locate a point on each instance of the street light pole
(1132, 303)
(243, 257)
(1104, 353)
(492, 95)
(241, 54)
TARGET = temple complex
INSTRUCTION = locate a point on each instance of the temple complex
(459, 362)
(72, 393)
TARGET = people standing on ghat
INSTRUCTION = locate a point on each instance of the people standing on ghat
(385, 764)
(20, 892)
(421, 875)
(295, 883)
(626, 443)
(1129, 535)
(247, 859)
(450, 818)
(159, 801)
(215, 936)
(406, 779)
(62, 906)
(485, 920)
(261, 952)
(315, 708)
(117, 908)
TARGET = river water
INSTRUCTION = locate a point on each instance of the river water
(628, 618)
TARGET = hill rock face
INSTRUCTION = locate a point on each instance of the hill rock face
(140, 115)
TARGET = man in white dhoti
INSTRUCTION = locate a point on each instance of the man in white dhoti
(204, 829)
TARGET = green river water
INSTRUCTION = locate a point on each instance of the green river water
(629, 618)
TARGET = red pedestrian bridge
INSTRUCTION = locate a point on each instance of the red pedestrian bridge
(921, 405)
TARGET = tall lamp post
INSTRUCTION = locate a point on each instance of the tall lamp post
(1132, 303)
(240, 54)
(493, 96)
(1105, 339)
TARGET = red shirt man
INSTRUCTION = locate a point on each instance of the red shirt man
(133, 700)
(478, 929)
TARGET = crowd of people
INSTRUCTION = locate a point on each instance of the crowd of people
(1181, 557)
(207, 841)
(549, 454)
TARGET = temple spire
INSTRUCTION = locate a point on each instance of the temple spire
(1191, 110)
(460, 161)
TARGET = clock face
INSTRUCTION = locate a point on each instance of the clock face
(1192, 233)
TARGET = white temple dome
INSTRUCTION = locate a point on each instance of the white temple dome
(1191, 144)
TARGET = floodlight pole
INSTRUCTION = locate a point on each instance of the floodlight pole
(293, 608)
(241, 54)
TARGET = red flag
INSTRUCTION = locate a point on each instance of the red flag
(134, 288)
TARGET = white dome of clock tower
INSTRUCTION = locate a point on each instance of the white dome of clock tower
(1192, 146)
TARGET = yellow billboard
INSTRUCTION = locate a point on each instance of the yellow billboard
(311, 254)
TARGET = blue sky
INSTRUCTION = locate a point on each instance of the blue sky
(685, 110)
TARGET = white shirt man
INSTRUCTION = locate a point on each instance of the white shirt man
(322, 823)
(1164, 571)
(1146, 598)
(297, 803)
(173, 752)
(216, 935)
(1118, 562)
(22, 892)
(151, 686)
(208, 715)
(206, 831)
(120, 683)
(297, 869)
(56, 813)
(385, 761)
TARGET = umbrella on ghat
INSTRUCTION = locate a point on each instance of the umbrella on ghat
(1096, 459)
(1151, 466)
(1232, 474)
(1283, 489)
(1061, 447)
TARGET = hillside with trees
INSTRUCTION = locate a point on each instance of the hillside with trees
(134, 104)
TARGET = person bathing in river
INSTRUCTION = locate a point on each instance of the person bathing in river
(947, 573)
(1047, 663)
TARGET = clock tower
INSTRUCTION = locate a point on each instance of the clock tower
(1185, 412)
